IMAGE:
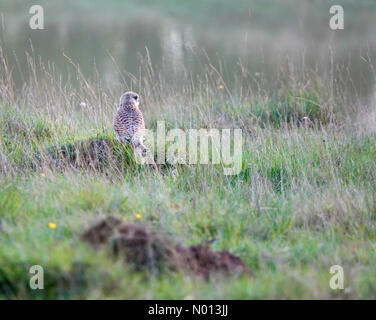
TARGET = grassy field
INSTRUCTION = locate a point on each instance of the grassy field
(304, 200)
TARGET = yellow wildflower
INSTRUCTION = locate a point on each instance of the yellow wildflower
(138, 216)
(52, 225)
(220, 86)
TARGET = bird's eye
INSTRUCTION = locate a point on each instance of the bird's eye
(135, 97)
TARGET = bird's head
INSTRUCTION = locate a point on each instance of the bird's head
(129, 97)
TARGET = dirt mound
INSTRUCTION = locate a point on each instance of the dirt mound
(96, 153)
(92, 153)
(200, 259)
(147, 250)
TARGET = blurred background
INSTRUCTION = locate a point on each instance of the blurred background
(108, 39)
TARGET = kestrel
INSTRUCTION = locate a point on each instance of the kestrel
(129, 123)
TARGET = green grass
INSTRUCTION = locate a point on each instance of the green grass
(304, 200)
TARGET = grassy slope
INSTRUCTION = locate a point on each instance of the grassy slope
(306, 202)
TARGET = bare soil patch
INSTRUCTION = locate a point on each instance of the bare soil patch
(147, 250)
